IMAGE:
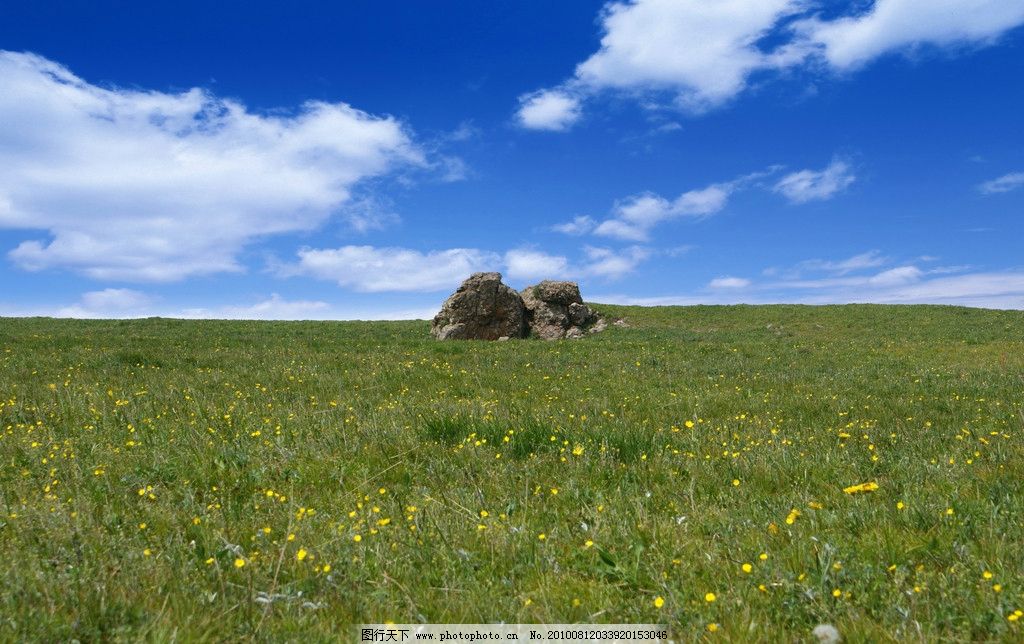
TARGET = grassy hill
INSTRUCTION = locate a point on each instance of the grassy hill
(165, 479)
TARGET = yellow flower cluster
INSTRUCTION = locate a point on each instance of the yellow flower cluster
(870, 486)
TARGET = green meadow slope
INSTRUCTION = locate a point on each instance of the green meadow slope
(206, 480)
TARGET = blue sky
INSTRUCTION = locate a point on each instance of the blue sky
(358, 160)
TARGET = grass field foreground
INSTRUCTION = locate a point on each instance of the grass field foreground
(205, 480)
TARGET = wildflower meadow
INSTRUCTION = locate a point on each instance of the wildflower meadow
(737, 473)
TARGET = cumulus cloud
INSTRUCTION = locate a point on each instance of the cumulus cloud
(580, 225)
(702, 51)
(895, 25)
(633, 218)
(704, 54)
(114, 298)
(1005, 183)
(816, 185)
(370, 269)
(553, 109)
(108, 303)
(613, 264)
(526, 264)
(623, 230)
(143, 185)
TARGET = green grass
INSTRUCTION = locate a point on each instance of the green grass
(223, 438)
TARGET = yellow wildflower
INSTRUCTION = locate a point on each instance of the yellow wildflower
(870, 486)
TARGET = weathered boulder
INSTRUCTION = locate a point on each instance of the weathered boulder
(555, 310)
(481, 309)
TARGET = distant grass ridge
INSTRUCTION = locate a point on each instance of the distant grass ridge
(238, 480)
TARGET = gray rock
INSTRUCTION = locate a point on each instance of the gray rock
(485, 309)
(827, 634)
(599, 326)
(579, 314)
(573, 333)
(555, 310)
(481, 309)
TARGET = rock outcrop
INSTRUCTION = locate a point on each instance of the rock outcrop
(485, 309)
(555, 310)
(481, 309)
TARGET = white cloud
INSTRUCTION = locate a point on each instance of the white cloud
(870, 259)
(990, 289)
(273, 308)
(373, 270)
(704, 53)
(366, 213)
(1005, 183)
(728, 282)
(610, 264)
(856, 279)
(909, 285)
(108, 303)
(706, 201)
(633, 217)
(370, 269)
(850, 280)
(861, 261)
(644, 210)
(550, 109)
(464, 132)
(896, 276)
(895, 25)
(619, 229)
(816, 185)
(114, 298)
(580, 225)
(901, 285)
(150, 186)
(526, 264)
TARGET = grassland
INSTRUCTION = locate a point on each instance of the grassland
(204, 480)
